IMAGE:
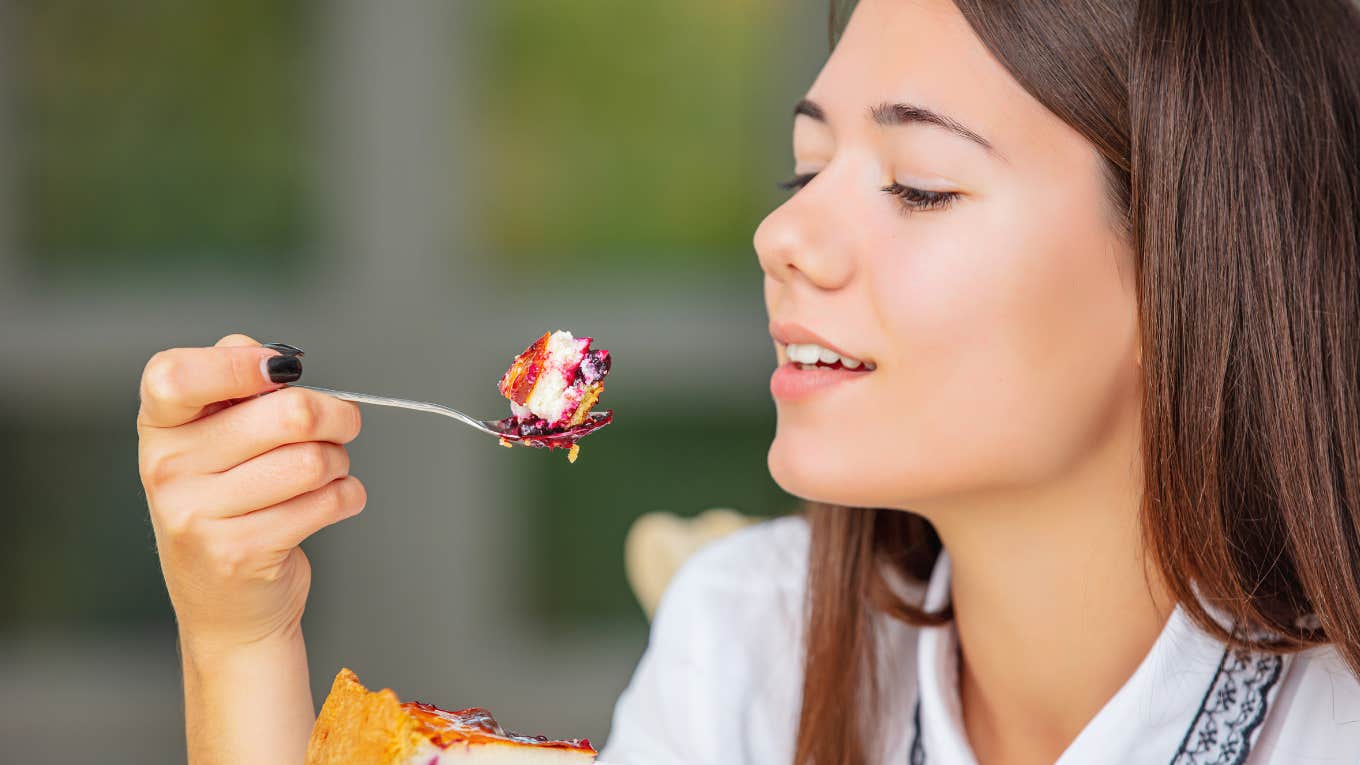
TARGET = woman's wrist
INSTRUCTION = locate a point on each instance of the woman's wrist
(207, 646)
(247, 701)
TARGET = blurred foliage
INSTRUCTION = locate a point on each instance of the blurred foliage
(662, 456)
(157, 134)
(76, 550)
(637, 134)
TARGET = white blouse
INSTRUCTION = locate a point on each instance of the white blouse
(721, 681)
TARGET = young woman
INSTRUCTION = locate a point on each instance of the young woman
(1066, 301)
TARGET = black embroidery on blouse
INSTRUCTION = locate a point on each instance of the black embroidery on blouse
(918, 750)
(1232, 709)
(1224, 728)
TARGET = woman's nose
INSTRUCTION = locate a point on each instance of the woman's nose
(799, 240)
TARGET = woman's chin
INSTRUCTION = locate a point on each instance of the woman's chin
(818, 474)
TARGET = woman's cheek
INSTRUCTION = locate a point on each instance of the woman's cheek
(949, 308)
(966, 305)
(920, 425)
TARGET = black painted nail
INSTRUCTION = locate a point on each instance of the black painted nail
(284, 369)
(286, 349)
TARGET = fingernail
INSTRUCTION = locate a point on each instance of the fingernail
(286, 349)
(283, 369)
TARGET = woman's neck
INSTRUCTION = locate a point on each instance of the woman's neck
(1054, 604)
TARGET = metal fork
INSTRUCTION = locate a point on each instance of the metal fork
(502, 429)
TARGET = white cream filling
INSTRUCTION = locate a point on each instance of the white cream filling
(496, 754)
(551, 399)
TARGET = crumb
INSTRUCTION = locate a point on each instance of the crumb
(575, 450)
(506, 444)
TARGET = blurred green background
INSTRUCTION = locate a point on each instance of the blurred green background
(412, 191)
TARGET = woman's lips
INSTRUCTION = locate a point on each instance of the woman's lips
(793, 382)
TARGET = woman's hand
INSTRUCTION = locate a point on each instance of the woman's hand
(235, 481)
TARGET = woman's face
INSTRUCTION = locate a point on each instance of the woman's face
(958, 238)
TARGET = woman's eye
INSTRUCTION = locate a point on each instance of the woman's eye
(797, 182)
(920, 200)
(912, 199)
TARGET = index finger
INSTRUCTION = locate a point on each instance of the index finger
(178, 383)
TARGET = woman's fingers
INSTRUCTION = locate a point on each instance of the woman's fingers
(287, 524)
(239, 433)
(235, 341)
(237, 473)
(230, 341)
(178, 383)
(276, 476)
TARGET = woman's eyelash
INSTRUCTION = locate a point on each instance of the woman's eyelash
(920, 200)
(912, 199)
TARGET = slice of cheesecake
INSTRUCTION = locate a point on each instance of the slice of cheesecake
(359, 727)
(553, 385)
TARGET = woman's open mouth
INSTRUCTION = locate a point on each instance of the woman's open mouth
(810, 368)
(809, 356)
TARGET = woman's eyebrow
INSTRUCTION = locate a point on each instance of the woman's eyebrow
(892, 115)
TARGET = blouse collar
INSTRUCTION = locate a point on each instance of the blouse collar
(1188, 700)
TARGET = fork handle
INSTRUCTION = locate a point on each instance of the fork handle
(401, 403)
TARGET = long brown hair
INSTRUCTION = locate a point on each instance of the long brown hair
(1230, 134)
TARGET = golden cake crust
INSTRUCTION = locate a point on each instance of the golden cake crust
(518, 382)
(588, 399)
(357, 726)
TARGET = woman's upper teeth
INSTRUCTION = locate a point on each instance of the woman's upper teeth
(808, 353)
